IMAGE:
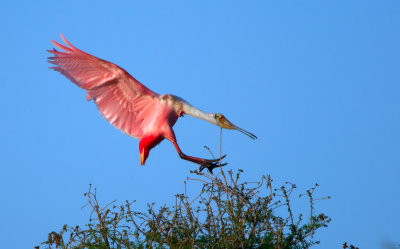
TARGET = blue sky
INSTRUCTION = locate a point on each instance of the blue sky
(316, 81)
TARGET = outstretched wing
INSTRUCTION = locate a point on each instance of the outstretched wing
(121, 99)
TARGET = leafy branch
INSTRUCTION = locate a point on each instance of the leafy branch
(226, 213)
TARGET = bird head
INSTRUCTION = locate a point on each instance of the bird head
(223, 122)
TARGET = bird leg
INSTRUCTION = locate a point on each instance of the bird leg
(210, 164)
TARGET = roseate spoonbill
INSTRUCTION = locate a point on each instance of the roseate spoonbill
(131, 106)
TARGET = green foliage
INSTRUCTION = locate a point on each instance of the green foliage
(347, 246)
(226, 213)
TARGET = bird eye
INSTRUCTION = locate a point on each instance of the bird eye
(216, 116)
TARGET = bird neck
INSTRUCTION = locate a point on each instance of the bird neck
(197, 113)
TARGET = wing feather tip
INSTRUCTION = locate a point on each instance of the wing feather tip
(68, 43)
(60, 46)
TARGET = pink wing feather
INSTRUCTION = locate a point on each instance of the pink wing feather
(121, 99)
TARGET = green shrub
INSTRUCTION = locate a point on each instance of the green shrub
(227, 213)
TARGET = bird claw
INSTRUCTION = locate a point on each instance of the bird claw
(212, 164)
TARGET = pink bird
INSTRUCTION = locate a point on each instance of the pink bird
(131, 106)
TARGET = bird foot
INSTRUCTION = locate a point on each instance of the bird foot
(212, 164)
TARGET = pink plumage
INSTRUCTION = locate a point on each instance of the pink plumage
(129, 105)
(121, 99)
